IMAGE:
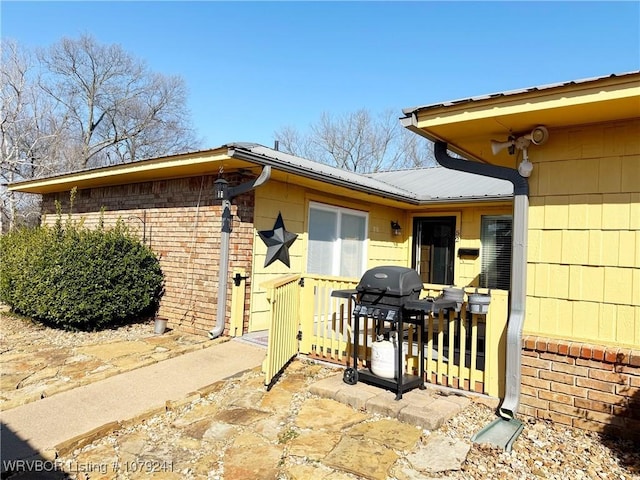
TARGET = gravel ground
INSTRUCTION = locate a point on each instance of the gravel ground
(35, 335)
(543, 451)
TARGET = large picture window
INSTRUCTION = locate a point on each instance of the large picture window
(496, 252)
(336, 241)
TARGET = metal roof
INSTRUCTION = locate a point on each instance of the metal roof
(468, 125)
(412, 187)
(327, 173)
(539, 88)
(416, 186)
(442, 184)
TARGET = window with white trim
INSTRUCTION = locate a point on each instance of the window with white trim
(337, 241)
(495, 236)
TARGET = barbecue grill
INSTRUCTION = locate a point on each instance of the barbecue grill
(390, 297)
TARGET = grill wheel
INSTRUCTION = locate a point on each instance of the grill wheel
(350, 376)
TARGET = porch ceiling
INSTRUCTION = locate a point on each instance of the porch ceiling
(468, 125)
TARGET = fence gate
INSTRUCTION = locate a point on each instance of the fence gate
(283, 295)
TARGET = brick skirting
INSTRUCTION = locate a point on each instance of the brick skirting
(586, 386)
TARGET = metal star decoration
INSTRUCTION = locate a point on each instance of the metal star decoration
(278, 242)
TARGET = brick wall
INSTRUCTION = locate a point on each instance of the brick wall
(181, 222)
(582, 385)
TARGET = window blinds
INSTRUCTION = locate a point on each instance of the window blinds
(495, 237)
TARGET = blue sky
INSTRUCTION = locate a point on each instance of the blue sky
(255, 67)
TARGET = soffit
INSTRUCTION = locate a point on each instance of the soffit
(468, 125)
(198, 163)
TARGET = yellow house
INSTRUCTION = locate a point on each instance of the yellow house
(340, 224)
(251, 239)
(578, 145)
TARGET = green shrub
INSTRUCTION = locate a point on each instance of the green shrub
(74, 277)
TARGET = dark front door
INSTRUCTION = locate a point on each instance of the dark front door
(433, 248)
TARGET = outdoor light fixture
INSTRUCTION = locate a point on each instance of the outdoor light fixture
(395, 228)
(537, 136)
(221, 189)
(497, 147)
(526, 167)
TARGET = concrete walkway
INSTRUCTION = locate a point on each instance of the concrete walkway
(204, 411)
(37, 427)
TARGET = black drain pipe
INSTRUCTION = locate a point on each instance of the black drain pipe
(520, 184)
(518, 294)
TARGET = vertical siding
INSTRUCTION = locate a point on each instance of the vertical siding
(584, 235)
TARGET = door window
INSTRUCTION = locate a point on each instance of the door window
(433, 252)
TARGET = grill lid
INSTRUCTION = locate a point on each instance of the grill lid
(391, 280)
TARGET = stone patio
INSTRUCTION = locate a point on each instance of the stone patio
(38, 362)
(237, 430)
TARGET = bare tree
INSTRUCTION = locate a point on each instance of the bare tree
(28, 134)
(292, 141)
(417, 151)
(79, 104)
(118, 110)
(359, 142)
(150, 125)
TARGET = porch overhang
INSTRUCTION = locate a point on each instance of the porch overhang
(467, 126)
(251, 158)
(163, 168)
(245, 157)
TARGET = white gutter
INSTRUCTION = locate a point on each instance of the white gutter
(223, 281)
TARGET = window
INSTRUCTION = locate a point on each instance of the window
(336, 241)
(496, 252)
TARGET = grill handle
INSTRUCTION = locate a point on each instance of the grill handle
(371, 289)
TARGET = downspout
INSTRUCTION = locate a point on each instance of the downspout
(518, 296)
(223, 279)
